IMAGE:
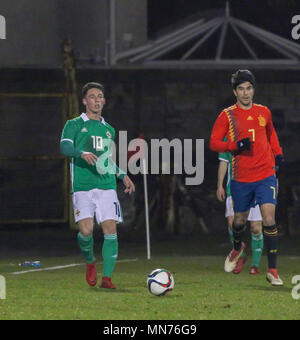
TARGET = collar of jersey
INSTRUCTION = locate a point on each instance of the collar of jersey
(86, 118)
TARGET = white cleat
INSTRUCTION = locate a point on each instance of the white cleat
(232, 259)
(274, 278)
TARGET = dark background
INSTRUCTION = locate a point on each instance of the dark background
(272, 15)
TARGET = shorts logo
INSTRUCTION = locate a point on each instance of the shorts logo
(262, 120)
(77, 212)
(108, 134)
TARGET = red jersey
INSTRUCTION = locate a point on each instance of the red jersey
(256, 123)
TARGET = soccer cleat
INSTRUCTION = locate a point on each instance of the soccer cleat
(91, 274)
(240, 264)
(273, 277)
(106, 283)
(232, 259)
(254, 271)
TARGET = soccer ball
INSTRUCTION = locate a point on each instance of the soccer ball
(160, 282)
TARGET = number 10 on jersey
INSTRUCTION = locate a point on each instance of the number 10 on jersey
(97, 143)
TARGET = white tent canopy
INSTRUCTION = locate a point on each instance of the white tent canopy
(186, 46)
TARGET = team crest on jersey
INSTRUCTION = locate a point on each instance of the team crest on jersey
(262, 120)
(108, 134)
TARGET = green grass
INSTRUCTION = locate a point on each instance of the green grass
(203, 291)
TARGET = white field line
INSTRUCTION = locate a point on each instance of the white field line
(62, 267)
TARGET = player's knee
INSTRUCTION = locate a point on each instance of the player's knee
(256, 227)
(269, 220)
(240, 220)
(238, 227)
(86, 226)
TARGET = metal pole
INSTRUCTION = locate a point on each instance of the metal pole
(146, 210)
(112, 32)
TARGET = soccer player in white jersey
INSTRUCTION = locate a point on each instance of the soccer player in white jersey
(84, 139)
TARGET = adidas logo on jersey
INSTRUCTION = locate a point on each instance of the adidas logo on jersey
(249, 118)
(84, 130)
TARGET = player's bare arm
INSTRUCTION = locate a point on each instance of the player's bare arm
(222, 170)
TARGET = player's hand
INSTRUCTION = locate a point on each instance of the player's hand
(243, 144)
(89, 157)
(130, 187)
(279, 163)
(221, 194)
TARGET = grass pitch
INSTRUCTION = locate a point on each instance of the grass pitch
(203, 291)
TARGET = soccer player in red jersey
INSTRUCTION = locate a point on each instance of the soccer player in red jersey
(253, 142)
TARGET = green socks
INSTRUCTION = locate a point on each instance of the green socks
(86, 245)
(257, 244)
(109, 253)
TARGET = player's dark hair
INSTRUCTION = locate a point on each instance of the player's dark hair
(91, 85)
(241, 76)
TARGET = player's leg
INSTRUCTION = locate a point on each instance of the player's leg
(109, 251)
(108, 214)
(257, 240)
(257, 243)
(271, 242)
(267, 199)
(242, 195)
(238, 229)
(86, 245)
(85, 239)
(229, 214)
(84, 216)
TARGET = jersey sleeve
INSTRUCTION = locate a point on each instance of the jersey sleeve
(67, 140)
(219, 131)
(224, 156)
(272, 136)
(69, 132)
